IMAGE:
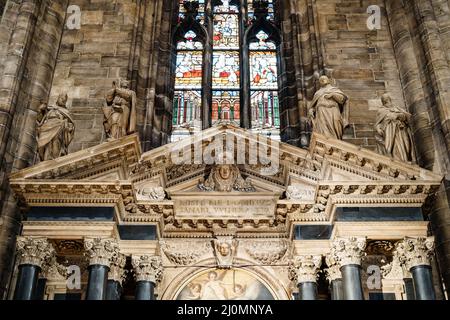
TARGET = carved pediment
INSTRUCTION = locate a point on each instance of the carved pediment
(260, 183)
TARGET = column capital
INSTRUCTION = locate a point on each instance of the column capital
(305, 268)
(147, 268)
(117, 270)
(345, 251)
(53, 270)
(34, 250)
(412, 252)
(333, 271)
(101, 251)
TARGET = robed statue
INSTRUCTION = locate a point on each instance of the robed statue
(393, 133)
(329, 110)
(120, 111)
(55, 129)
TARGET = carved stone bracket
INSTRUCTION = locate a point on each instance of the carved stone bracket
(35, 251)
(147, 268)
(347, 251)
(266, 252)
(101, 251)
(413, 252)
(305, 268)
(225, 249)
(185, 252)
(117, 270)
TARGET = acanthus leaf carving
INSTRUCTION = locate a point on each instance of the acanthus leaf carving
(267, 252)
(185, 253)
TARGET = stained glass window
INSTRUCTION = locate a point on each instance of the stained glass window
(223, 96)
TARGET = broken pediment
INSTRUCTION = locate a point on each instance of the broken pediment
(225, 176)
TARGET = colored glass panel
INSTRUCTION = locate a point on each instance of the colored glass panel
(188, 72)
(226, 70)
(263, 70)
(226, 106)
(186, 107)
(262, 43)
(265, 108)
(226, 7)
(226, 31)
(190, 43)
(201, 10)
(251, 10)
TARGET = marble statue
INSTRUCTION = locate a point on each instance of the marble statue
(393, 133)
(120, 111)
(329, 110)
(55, 129)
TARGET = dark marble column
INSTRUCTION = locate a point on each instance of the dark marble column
(423, 282)
(351, 282)
(409, 289)
(415, 254)
(115, 277)
(100, 252)
(336, 290)
(113, 290)
(347, 254)
(307, 291)
(304, 270)
(32, 254)
(26, 282)
(97, 282)
(148, 272)
(145, 290)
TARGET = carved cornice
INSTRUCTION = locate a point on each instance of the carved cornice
(101, 251)
(147, 268)
(305, 268)
(345, 251)
(266, 252)
(412, 252)
(34, 250)
(117, 270)
(185, 253)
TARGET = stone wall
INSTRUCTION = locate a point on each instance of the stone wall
(90, 59)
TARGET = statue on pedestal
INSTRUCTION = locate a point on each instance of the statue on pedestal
(393, 133)
(329, 110)
(55, 129)
(120, 111)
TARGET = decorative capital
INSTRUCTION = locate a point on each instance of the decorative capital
(333, 271)
(117, 270)
(147, 268)
(347, 251)
(34, 251)
(101, 251)
(53, 270)
(412, 252)
(305, 268)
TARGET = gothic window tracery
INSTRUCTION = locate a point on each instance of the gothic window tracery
(226, 66)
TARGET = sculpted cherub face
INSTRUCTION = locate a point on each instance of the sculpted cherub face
(225, 172)
(224, 249)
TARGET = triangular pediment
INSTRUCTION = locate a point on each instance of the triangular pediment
(291, 183)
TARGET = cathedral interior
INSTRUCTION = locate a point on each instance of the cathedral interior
(224, 149)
